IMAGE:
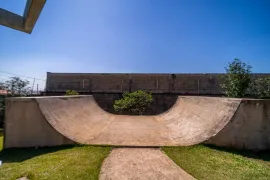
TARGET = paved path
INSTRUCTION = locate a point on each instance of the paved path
(141, 164)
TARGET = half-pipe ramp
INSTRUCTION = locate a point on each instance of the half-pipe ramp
(190, 121)
(46, 121)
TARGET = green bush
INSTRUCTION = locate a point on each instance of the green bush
(260, 88)
(135, 102)
(71, 92)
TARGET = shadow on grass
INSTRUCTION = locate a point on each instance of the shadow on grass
(260, 155)
(22, 154)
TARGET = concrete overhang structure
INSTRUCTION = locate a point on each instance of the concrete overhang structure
(24, 23)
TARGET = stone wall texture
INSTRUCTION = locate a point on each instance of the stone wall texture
(197, 84)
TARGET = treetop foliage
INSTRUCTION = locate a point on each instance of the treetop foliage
(237, 79)
(135, 102)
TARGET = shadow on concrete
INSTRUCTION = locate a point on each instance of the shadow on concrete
(22, 154)
(258, 155)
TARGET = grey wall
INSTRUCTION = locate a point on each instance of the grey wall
(118, 83)
(26, 126)
(248, 129)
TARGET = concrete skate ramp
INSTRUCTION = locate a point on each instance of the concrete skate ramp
(191, 120)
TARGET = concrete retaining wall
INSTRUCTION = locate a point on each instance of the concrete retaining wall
(248, 129)
(25, 126)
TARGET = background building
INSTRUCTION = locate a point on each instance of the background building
(89, 83)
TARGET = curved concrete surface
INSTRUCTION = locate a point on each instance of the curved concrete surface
(191, 120)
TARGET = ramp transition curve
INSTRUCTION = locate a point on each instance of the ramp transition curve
(191, 120)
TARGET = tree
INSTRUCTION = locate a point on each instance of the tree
(237, 79)
(260, 88)
(3, 86)
(71, 92)
(18, 87)
(135, 102)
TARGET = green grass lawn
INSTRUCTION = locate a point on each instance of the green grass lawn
(67, 162)
(208, 162)
(84, 162)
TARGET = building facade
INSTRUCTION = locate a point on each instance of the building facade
(90, 83)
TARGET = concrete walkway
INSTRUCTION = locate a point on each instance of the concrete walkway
(141, 164)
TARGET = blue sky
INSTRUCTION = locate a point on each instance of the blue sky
(138, 36)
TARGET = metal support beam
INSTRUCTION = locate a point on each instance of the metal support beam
(24, 23)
